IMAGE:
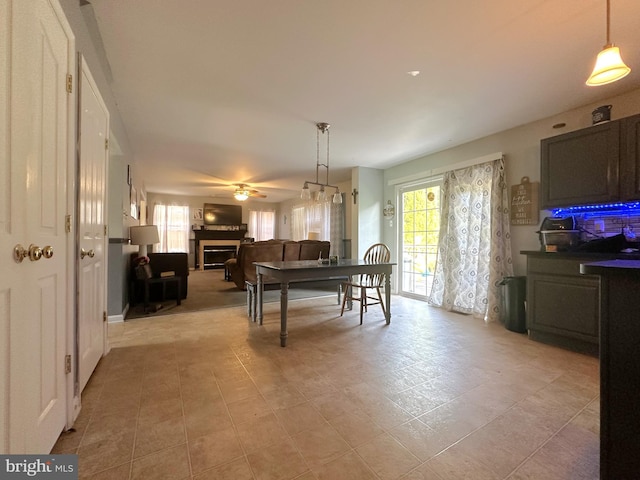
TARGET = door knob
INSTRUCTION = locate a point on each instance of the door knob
(20, 253)
(35, 253)
(89, 253)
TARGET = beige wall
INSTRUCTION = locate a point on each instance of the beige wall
(521, 149)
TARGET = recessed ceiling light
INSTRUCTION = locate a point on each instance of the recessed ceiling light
(414, 73)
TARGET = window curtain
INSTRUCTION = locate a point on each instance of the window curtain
(262, 224)
(173, 227)
(324, 218)
(474, 251)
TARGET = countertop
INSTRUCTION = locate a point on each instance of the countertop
(607, 267)
(596, 256)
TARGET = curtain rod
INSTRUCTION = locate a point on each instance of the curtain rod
(440, 170)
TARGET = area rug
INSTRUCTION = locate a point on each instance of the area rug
(208, 290)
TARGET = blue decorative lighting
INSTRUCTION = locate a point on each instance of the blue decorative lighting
(603, 209)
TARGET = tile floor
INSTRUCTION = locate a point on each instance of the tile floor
(434, 395)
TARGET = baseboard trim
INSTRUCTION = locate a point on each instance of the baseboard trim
(119, 318)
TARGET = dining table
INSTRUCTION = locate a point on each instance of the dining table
(286, 272)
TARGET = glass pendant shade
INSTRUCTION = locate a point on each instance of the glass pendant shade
(337, 197)
(306, 193)
(322, 195)
(609, 67)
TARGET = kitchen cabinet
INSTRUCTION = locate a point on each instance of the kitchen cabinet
(594, 165)
(630, 164)
(562, 305)
(619, 367)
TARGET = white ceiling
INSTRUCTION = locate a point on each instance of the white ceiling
(214, 92)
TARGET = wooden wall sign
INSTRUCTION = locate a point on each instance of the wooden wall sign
(525, 209)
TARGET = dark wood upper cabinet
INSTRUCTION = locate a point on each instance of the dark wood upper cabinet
(595, 165)
(630, 161)
(580, 167)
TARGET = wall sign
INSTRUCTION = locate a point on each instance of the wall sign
(525, 209)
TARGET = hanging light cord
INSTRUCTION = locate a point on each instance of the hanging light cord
(608, 24)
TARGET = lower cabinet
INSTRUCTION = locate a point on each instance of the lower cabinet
(563, 306)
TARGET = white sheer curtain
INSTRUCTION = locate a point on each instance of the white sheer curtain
(474, 251)
(262, 224)
(173, 227)
(324, 218)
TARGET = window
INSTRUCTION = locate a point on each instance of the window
(314, 217)
(173, 227)
(262, 224)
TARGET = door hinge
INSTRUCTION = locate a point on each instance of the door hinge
(67, 223)
(69, 83)
(104, 316)
(106, 144)
(67, 364)
(105, 230)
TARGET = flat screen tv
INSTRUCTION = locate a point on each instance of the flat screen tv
(215, 214)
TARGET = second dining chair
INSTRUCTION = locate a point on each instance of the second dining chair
(376, 253)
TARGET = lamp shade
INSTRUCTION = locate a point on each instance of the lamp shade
(609, 67)
(144, 235)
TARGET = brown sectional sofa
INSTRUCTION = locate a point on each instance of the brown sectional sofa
(241, 269)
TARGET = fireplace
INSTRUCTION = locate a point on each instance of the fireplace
(214, 256)
(216, 251)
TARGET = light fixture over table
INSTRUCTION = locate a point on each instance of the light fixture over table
(609, 65)
(321, 195)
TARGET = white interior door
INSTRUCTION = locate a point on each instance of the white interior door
(93, 142)
(35, 310)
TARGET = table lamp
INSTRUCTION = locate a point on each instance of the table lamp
(144, 235)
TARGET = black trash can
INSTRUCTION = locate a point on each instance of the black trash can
(512, 311)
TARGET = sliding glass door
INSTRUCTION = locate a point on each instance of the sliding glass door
(420, 229)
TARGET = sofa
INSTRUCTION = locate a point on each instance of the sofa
(161, 263)
(241, 269)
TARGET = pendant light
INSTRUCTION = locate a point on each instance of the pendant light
(321, 195)
(609, 65)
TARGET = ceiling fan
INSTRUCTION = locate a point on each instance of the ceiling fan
(243, 192)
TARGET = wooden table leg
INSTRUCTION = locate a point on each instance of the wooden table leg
(387, 294)
(284, 304)
(260, 289)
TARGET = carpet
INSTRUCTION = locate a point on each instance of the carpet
(208, 290)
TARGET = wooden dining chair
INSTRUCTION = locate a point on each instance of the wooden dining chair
(376, 253)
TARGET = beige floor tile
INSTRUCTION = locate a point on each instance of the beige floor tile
(387, 457)
(346, 467)
(206, 420)
(419, 439)
(151, 437)
(107, 453)
(248, 409)
(320, 445)
(214, 449)
(169, 464)
(236, 390)
(423, 472)
(300, 418)
(260, 432)
(469, 399)
(356, 428)
(121, 472)
(278, 461)
(236, 470)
